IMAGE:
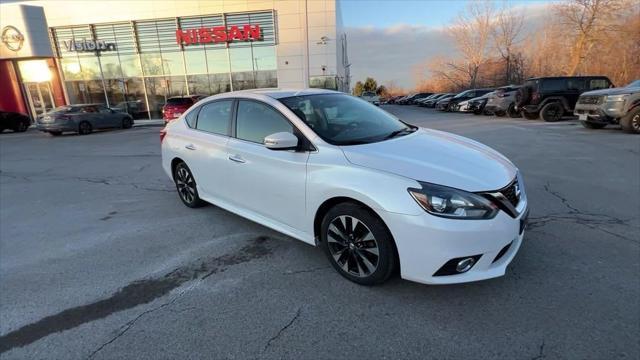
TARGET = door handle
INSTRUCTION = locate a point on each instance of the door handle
(190, 147)
(237, 158)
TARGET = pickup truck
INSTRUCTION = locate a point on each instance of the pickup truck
(597, 109)
(371, 97)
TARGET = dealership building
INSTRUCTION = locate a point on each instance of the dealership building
(133, 55)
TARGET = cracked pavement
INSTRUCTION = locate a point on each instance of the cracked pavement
(100, 260)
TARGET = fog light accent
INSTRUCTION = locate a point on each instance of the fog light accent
(465, 264)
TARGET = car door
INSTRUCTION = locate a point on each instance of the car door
(268, 182)
(204, 147)
(107, 117)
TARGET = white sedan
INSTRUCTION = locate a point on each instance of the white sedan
(332, 170)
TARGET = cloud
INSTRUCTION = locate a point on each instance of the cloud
(393, 53)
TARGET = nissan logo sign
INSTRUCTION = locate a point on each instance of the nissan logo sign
(12, 38)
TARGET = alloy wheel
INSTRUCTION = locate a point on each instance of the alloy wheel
(186, 185)
(635, 123)
(353, 246)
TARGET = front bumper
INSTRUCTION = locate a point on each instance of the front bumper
(603, 113)
(425, 243)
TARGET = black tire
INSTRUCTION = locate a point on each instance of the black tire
(127, 123)
(352, 257)
(512, 112)
(530, 115)
(21, 126)
(186, 186)
(592, 125)
(552, 112)
(55, 133)
(499, 113)
(631, 122)
(477, 112)
(85, 128)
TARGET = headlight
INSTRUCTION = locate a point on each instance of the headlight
(617, 97)
(453, 203)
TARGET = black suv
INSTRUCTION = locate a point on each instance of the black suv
(551, 97)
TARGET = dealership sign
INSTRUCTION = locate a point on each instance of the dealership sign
(218, 34)
(12, 38)
(85, 45)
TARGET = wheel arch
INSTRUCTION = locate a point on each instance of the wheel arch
(555, 99)
(174, 163)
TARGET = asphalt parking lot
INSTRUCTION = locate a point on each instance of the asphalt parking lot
(99, 259)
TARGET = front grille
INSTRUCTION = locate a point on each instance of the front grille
(590, 99)
(512, 192)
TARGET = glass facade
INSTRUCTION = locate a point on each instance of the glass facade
(140, 63)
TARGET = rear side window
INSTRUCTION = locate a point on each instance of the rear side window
(256, 121)
(553, 84)
(179, 101)
(215, 117)
(575, 84)
(191, 117)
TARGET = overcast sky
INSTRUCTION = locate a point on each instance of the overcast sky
(390, 39)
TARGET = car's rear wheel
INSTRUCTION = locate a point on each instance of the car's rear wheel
(592, 125)
(186, 186)
(127, 123)
(358, 244)
(84, 128)
(530, 115)
(552, 112)
(631, 122)
(499, 113)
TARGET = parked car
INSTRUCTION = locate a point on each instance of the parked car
(82, 119)
(14, 121)
(177, 105)
(443, 103)
(432, 102)
(503, 101)
(418, 97)
(596, 109)
(465, 95)
(371, 97)
(551, 97)
(375, 193)
(477, 105)
(423, 101)
(462, 106)
(393, 99)
(405, 99)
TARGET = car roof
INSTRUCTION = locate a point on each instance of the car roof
(284, 93)
(569, 77)
(88, 104)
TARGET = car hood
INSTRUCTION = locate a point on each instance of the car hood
(614, 91)
(437, 157)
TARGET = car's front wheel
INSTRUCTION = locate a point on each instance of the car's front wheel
(84, 128)
(186, 186)
(127, 123)
(358, 244)
(631, 122)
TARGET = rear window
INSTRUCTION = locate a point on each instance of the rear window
(179, 101)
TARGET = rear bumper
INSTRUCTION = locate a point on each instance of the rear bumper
(47, 127)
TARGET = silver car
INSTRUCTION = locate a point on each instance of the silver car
(82, 119)
(503, 101)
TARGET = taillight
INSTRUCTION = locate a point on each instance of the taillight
(163, 133)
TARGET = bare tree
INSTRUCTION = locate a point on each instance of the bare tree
(589, 19)
(506, 35)
(471, 33)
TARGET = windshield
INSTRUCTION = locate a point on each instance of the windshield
(345, 120)
(634, 84)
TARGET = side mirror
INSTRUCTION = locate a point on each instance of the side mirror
(281, 141)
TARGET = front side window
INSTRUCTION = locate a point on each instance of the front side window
(345, 120)
(597, 84)
(215, 117)
(255, 121)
